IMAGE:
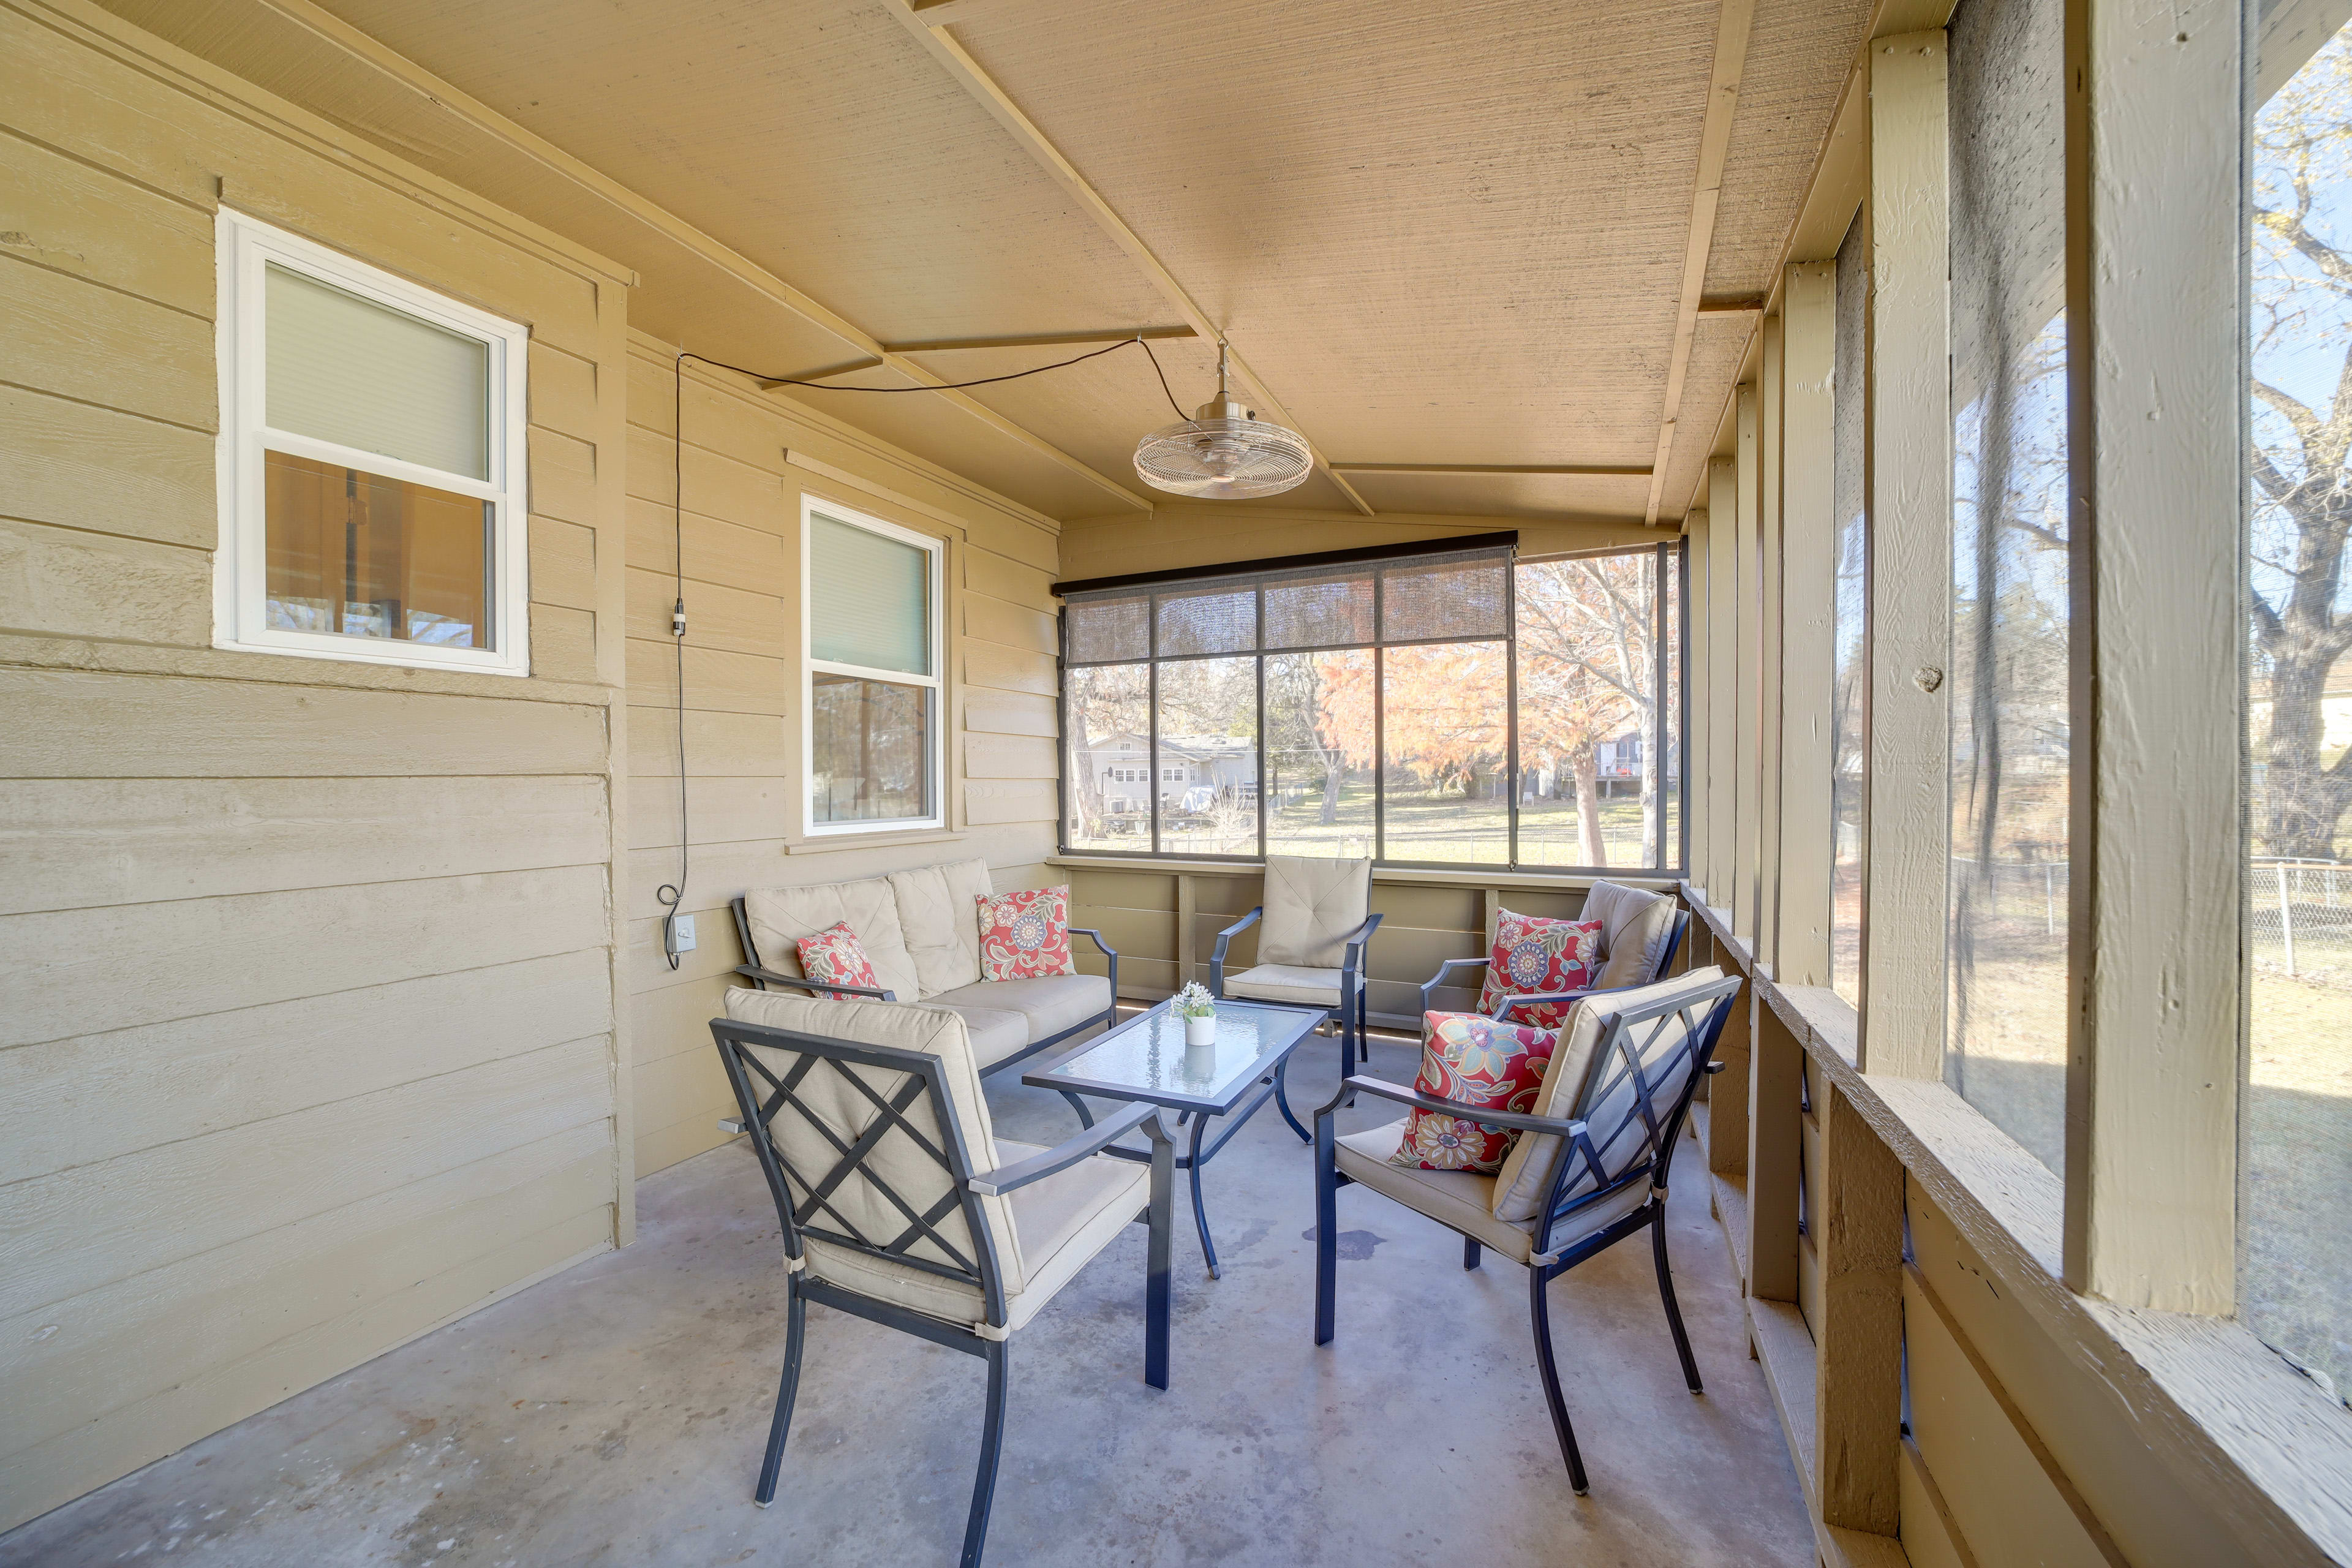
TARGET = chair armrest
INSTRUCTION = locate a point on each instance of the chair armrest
(1217, 954)
(1444, 969)
(1505, 1004)
(1352, 960)
(1107, 951)
(1483, 1115)
(1062, 1156)
(802, 982)
(1714, 1068)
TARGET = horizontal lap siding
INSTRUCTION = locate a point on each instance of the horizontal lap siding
(307, 1038)
(733, 536)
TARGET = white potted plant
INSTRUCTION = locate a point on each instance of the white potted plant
(1199, 1011)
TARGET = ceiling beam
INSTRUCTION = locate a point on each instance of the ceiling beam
(770, 384)
(1732, 305)
(1043, 340)
(1714, 146)
(1573, 471)
(702, 247)
(930, 29)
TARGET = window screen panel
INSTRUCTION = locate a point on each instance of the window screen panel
(1445, 599)
(869, 598)
(1214, 620)
(1106, 631)
(347, 370)
(1320, 612)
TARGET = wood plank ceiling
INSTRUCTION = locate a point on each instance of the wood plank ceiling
(1440, 236)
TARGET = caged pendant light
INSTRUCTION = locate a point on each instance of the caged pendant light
(1224, 452)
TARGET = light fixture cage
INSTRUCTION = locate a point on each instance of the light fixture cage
(1224, 452)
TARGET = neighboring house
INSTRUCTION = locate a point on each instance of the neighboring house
(1194, 772)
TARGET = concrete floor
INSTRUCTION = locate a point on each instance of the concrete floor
(615, 1413)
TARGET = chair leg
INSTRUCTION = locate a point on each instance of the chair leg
(1327, 1226)
(1363, 1030)
(1469, 1253)
(991, 1448)
(1540, 1310)
(795, 1333)
(1086, 1117)
(1666, 1294)
(1282, 1100)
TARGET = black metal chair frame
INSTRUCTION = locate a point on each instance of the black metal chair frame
(1674, 935)
(1349, 1011)
(797, 1192)
(764, 978)
(1702, 1015)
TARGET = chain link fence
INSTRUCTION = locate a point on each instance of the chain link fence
(2300, 912)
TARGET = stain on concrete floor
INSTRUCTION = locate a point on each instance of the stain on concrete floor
(616, 1414)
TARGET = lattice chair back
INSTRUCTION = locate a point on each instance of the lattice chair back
(867, 1119)
(1650, 1057)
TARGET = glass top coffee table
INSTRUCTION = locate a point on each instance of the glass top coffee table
(1146, 1058)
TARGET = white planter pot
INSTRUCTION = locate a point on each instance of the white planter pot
(1200, 1031)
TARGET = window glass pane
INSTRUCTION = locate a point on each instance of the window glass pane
(2295, 1252)
(1318, 612)
(1107, 724)
(869, 749)
(1319, 752)
(1444, 599)
(2008, 678)
(1103, 630)
(348, 370)
(1207, 773)
(869, 598)
(1223, 621)
(1588, 783)
(1446, 789)
(1850, 688)
(1671, 796)
(366, 556)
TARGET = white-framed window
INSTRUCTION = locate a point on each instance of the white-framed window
(872, 628)
(371, 464)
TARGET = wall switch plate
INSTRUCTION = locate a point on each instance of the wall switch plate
(685, 924)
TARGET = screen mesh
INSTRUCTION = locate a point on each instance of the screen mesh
(1318, 612)
(1215, 620)
(1105, 631)
(1453, 599)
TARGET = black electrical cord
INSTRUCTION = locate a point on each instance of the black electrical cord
(944, 387)
(1164, 382)
(672, 895)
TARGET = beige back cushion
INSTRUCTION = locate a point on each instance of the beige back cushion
(896, 1159)
(780, 917)
(1526, 1171)
(1634, 925)
(1312, 906)
(939, 916)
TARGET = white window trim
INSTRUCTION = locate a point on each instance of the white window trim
(935, 553)
(245, 245)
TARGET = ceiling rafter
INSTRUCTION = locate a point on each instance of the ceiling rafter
(1044, 339)
(929, 25)
(446, 96)
(1714, 144)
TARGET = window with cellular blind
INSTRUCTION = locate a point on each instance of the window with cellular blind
(873, 620)
(1461, 707)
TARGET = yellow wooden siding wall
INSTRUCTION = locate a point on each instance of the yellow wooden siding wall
(307, 1029)
(741, 530)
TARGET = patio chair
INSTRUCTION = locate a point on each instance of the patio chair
(1640, 934)
(1594, 1178)
(1310, 953)
(900, 1206)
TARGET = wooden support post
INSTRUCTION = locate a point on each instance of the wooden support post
(1855, 1221)
(1764, 918)
(1775, 1156)
(1185, 938)
(1721, 802)
(1696, 695)
(1748, 676)
(1808, 623)
(1726, 1115)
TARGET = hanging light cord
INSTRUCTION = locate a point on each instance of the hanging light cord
(950, 385)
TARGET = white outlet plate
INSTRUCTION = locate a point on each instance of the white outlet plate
(685, 927)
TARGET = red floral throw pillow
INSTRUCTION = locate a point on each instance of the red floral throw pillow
(1533, 956)
(835, 953)
(1025, 935)
(1480, 1062)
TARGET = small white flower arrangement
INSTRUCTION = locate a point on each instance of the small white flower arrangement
(1199, 1010)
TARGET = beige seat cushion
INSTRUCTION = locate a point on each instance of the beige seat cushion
(939, 916)
(1527, 1170)
(1465, 1201)
(1288, 983)
(995, 1034)
(1634, 925)
(1063, 1221)
(859, 1205)
(1048, 1005)
(1312, 907)
(780, 917)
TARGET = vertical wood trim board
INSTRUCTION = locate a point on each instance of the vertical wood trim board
(1808, 620)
